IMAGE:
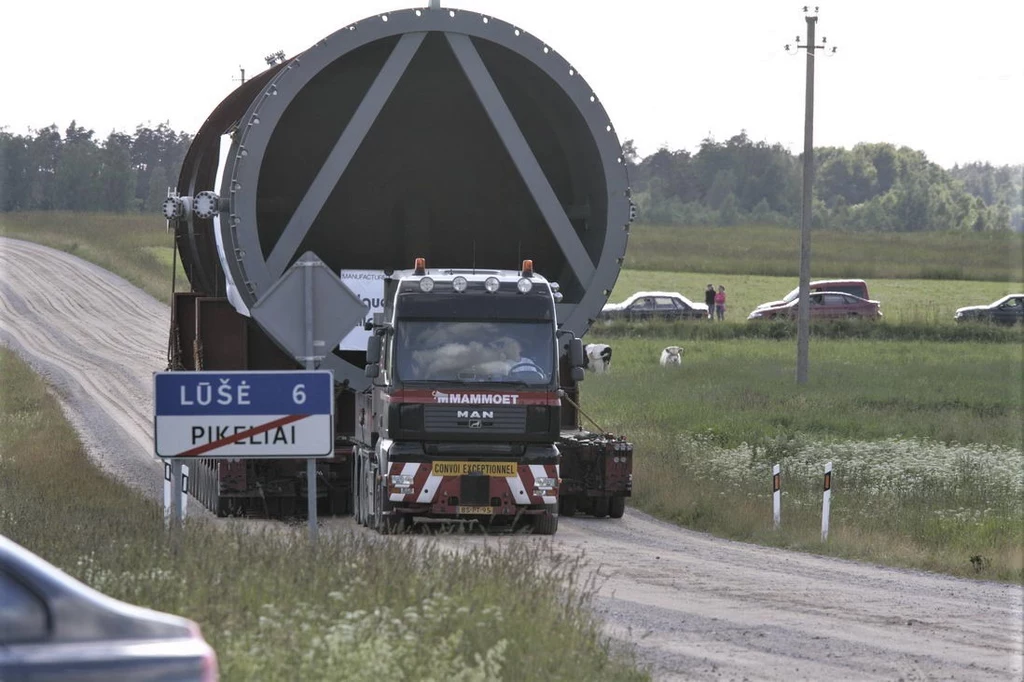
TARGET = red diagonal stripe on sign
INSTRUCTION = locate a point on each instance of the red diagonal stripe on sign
(242, 435)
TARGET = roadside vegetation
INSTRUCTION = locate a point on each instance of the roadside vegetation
(274, 609)
(920, 416)
(925, 439)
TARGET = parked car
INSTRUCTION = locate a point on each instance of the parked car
(1007, 310)
(53, 627)
(649, 305)
(857, 287)
(824, 305)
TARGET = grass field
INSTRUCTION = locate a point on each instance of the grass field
(925, 438)
(356, 608)
(775, 251)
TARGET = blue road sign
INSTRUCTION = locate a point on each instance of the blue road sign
(244, 414)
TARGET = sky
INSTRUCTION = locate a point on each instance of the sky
(944, 78)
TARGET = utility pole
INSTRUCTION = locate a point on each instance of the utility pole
(803, 320)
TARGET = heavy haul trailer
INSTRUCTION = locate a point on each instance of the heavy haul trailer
(435, 133)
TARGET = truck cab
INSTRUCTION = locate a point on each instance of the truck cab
(463, 416)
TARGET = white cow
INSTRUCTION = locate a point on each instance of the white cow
(673, 355)
(597, 357)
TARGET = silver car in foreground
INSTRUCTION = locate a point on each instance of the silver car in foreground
(53, 627)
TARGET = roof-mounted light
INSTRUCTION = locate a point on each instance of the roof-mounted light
(426, 285)
(524, 285)
(459, 284)
(558, 296)
(420, 266)
(527, 269)
(491, 284)
(555, 286)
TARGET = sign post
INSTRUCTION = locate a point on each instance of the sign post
(307, 275)
(305, 335)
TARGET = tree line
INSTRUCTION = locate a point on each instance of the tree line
(874, 186)
(44, 170)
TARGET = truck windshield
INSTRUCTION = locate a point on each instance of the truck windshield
(475, 352)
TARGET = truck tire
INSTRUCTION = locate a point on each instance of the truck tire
(546, 523)
(567, 506)
(616, 507)
(599, 507)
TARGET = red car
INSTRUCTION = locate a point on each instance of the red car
(824, 305)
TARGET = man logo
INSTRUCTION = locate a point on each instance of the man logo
(476, 424)
(475, 414)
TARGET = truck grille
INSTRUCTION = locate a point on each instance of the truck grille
(476, 491)
(474, 419)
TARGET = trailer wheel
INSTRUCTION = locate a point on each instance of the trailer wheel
(546, 523)
(599, 507)
(617, 507)
(567, 505)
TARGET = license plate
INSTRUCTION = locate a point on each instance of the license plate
(500, 469)
(475, 510)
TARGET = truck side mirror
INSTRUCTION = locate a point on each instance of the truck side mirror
(576, 352)
(373, 371)
(578, 373)
(373, 349)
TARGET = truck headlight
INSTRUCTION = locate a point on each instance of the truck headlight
(426, 285)
(524, 285)
(492, 284)
(545, 483)
(459, 284)
(401, 480)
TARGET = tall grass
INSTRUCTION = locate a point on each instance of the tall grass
(775, 251)
(357, 607)
(926, 439)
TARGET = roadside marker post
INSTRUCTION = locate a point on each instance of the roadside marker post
(826, 502)
(776, 496)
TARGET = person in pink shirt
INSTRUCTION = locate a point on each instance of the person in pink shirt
(720, 303)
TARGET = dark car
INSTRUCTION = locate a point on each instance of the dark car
(857, 287)
(1007, 310)
(651, 305)
(824, 305)
(53, 627)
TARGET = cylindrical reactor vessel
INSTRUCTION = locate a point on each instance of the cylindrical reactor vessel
(439, 133)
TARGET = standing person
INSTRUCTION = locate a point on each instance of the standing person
(709, 299)
(720, 303)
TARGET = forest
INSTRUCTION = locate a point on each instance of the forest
(872, 187)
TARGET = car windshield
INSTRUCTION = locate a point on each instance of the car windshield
(475, 352)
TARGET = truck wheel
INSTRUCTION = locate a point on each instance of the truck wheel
(599, 507)
(546, 523)
(617, 507)
(567, 505)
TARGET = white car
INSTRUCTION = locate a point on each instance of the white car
(648, 305)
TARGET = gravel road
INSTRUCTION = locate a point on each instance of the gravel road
(692, 606)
